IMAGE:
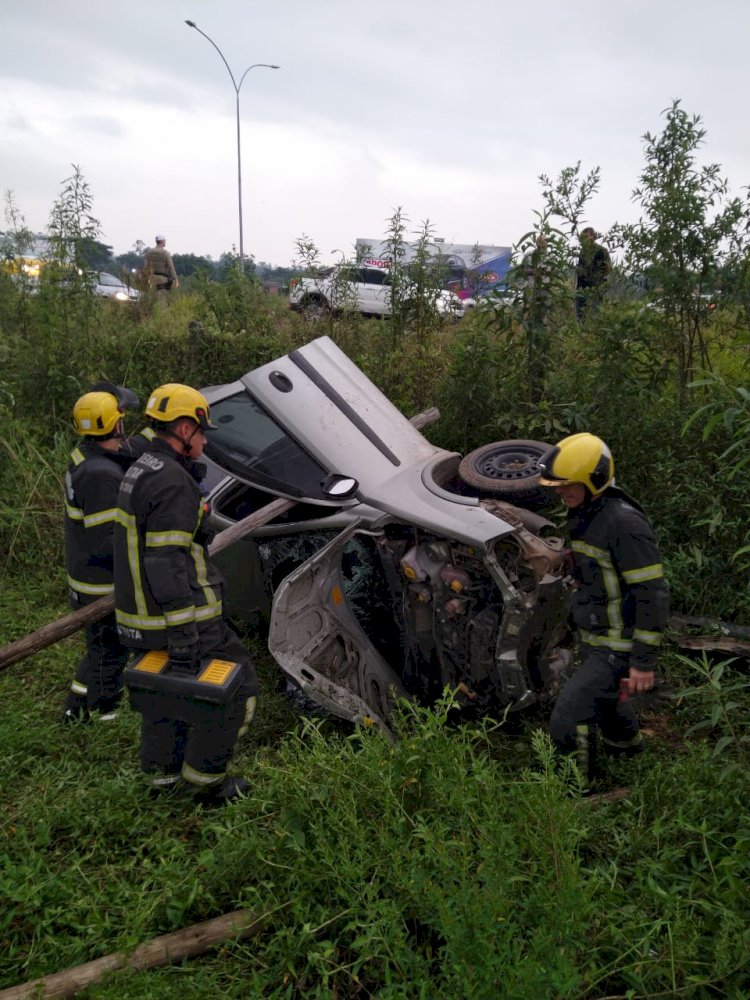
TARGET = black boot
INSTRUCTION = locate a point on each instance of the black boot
(167, 787)
(75, 713)
(624, 750)
(217, 795)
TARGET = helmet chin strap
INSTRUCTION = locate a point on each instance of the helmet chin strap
(188, 443)
(187, 447)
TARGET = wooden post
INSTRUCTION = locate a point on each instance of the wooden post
(163, 950)
(49, 634)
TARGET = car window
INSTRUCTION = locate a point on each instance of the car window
(108, 279)
(249, 443)
(374, 276)
(347, 273)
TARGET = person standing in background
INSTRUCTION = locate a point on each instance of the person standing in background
(594, 266)
(159, 266)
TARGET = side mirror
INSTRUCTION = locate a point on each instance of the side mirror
(339, 486)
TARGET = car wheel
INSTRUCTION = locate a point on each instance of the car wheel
(314, 309)
(506, 469)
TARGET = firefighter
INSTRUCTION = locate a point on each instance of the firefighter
(135, 445)
(168, 596)
(92, 481)
(620, 606)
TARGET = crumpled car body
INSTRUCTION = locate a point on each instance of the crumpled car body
(399, 589)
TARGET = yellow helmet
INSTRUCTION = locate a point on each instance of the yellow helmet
(174, 400)
(580, 458)
(96, 414)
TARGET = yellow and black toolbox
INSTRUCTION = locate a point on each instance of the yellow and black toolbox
(215, 681)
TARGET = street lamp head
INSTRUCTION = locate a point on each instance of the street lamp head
(191, 24)
(274, 66)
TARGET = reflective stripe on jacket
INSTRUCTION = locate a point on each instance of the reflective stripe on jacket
(165, 586)
(623, 601)
(135, 445)
(92, 481)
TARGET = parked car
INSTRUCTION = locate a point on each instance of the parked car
(109, 286)
(362, 288)
(391, 577)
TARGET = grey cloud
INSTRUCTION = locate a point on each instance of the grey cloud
(95, 123)
(18, 123)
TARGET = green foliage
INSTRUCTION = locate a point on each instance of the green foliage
(395, 250)
(457, 861)
(73, 230)
(17, 238)
(441, 864)
(30, 516)
(566, 197)
(723, 692)
(537, 302)
(690, 230)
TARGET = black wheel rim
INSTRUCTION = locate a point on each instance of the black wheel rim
(508, 464)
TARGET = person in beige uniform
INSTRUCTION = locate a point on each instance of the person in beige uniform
(160, 267)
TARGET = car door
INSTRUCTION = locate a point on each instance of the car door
(316, 638)
(375, 291)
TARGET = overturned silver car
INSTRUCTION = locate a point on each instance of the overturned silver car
(388, 579)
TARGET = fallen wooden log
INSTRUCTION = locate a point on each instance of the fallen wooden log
(169, 948)
(49, 634)
(601, 798)
(428, 416)
(679, 623)
(714, 643)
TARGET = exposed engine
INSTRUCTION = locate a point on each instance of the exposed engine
(486, 625)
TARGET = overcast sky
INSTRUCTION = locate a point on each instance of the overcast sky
(448, 109)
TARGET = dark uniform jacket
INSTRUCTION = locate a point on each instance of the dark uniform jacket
(92, 481)
(623, 601)
(135, 445)
(166, 589)
(594, 264)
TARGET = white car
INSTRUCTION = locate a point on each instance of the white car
(360, 288)
(109, 286)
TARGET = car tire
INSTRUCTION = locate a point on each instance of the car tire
(508, 470)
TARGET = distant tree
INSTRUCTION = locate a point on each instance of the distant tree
(189, 263)
(270, 272)
(97, 255)
(18, 238)
(566, 196)
(227, 261)
(690, 229)
(129, 261)
(72, 227)
(132, 260)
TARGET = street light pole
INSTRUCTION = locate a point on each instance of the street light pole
(237, 87)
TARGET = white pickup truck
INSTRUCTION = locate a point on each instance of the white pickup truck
(359, 288)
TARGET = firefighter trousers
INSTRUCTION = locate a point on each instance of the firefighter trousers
(97, 685)
(590, 700)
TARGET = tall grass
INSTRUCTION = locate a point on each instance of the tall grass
(459, 861)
